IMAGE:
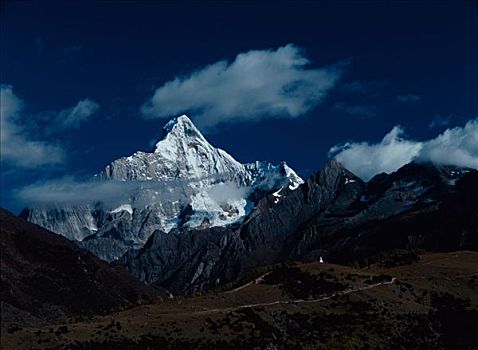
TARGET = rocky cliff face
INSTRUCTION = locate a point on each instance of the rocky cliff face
(184, 183)
(333, 215)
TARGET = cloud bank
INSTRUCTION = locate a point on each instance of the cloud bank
(68, 190)
(257, 84)
(456, 146)
(17, 147)
(71, 191)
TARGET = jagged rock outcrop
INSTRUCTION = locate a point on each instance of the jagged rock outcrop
(187, 261)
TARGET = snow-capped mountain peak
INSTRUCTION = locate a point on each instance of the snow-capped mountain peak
(182, 128)
(182, 153)
(295, 180)
(184, 182)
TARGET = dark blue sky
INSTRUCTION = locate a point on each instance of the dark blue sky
(117, 54)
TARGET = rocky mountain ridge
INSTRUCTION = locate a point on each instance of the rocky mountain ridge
(334, 215)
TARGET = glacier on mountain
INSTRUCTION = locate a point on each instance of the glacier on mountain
(184, 182)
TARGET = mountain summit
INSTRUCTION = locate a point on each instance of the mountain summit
(182, 153)
(184, 183)
(181, 127)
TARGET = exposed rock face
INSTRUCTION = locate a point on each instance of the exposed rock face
(187, 261)
(333, 214)
(184, 183)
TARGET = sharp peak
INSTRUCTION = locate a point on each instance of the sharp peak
(181, 128)
(333, 166)
(182, 120)
(334, 163)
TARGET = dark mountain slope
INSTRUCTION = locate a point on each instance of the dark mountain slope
(416, 207)
(333, 215)
(45, 277)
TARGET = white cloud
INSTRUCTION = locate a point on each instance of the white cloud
(73, 117)
(17, 147)
(409, 98)
(227, 192)
(366, 160)
(257, 84)
(69, 191)
(457, 146)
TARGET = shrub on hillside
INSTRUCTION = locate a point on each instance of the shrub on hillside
(301, 285)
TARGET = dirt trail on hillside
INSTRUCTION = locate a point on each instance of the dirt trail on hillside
(256, 281)
(296, 301)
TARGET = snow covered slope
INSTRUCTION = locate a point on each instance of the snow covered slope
(184, 182)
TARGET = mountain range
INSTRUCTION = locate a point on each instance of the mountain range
(194, 218)
(333, 216)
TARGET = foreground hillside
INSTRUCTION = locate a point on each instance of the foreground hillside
(45, 277)
(428, 301)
